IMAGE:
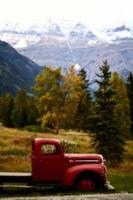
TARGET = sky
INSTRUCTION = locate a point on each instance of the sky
(97, 14)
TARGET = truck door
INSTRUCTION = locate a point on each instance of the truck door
(51, 164)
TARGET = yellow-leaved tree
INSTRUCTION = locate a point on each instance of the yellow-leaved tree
(72, 93)
(48, 89)
(58, 96)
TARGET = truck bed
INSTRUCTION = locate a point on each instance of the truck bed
(15, 177)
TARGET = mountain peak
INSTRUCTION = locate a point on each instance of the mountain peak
(80, 31)
(54, 30)
(119, 33)
(121, 28)
(80, 26)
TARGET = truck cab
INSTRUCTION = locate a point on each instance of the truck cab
(50, 165)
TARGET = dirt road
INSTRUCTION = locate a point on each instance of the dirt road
(120, 196)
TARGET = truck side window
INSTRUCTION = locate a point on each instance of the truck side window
(48, 149)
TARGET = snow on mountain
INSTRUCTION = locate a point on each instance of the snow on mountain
(20, 36)
(19, 40)
(11, 27)
(17, 35)
(120, 32)
(21, 44)
(80, 31)
(32, 33)
(54, 30)
(67, 25)
(65, 43)
(121, 28)
(90, 35)
(36, 29)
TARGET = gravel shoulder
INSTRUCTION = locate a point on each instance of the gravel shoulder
(118, 196)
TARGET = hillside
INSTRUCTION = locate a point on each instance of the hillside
(16, 71)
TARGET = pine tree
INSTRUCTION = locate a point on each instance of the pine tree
(130, 96)
(20, 109)
(84, 110)
(122, 107)
(32, 112)
(6, 106)
(107, 139)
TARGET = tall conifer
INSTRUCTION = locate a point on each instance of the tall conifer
(84, 108)
(6, 106)
(107, 139)
(19, 112)
(122, 107)
(130, 96)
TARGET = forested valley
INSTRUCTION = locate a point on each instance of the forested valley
(65, 101)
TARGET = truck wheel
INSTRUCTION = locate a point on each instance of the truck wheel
(85, 182)
(86, 185)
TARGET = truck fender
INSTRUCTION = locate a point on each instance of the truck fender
(73, 172)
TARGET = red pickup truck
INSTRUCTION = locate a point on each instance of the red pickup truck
(51, 166)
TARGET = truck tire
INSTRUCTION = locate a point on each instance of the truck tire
(86, 182)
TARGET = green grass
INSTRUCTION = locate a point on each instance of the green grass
(121, 182)
(15, 152)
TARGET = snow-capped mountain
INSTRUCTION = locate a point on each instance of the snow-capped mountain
(65, 43)
(121, 28)
(35, 29)
(54, 30)
(19, 35)
(118, 33)
(31, 33)
(11, 27)
(80, 31)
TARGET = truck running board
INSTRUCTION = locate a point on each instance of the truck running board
(13, 177)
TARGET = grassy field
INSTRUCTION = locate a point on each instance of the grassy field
(15, 152)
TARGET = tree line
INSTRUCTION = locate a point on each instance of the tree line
(65, 101)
